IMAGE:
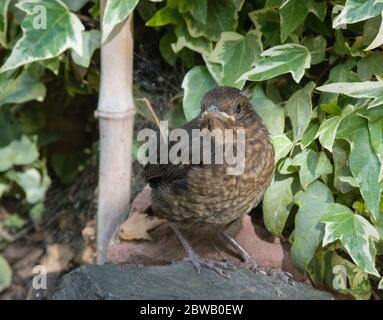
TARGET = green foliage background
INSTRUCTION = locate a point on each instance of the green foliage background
(315, 70)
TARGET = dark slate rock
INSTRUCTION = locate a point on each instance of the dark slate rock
(176, 281)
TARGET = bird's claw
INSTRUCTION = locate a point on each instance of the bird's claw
(217, 266)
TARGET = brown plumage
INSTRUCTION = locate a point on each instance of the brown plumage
(189, 194)
(205, 193)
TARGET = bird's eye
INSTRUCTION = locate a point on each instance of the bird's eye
(238, 108)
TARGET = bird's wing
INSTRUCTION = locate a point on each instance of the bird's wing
(169, 173)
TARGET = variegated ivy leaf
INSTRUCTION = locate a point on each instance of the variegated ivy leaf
(294, 12)
(237, 54)
(197, 8)
(357, 10)
(184, 40)
(328, 128)
(363, 161)
(91, 42)
(19, 88)
(272, 114)
(378, 40)
(277, 203)
(282, 145)
(299, 110)
(309, 230)
(115, 12)
(312, 165)
(222, 16)
(5, 274)
(49, 28)
(166, 15)
(380, 284)
(4, 22)
(367, 89)
(354, 233)
(75, 5)
(266, 20)
(288, 58)
(195, 84)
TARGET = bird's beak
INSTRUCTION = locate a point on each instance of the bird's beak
(212, 108)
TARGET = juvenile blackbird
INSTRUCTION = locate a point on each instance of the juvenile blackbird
(189, 195)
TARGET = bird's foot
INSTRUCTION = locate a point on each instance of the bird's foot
(221, 267)
(257, 268)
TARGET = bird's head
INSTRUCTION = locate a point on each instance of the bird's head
(226, 107)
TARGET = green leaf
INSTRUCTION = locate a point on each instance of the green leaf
(381, 284)
(5, 274)
(115, 12)
(309, 231)
(4, 22)
(367, 89)
(39, 42)
(195, 84)
(312, 165)
(299, 110)
(184, 40)
(166, 15)
(18, 152)
(317, 46)
(197, 8)
(357, 10)
(75, 5)
(354, 233)
(282, 145)
(272, 114)
(309, 135)
(221, 16)
(277, 203)
(267, 22)
(363, 161)
(91, 42)
(328, 128)
(287, 58)
(34, 184)
(294, 12)
(378, 40)
(237, 54)
(166, 49)
(370, 65)
(19, 88)
(340, 156)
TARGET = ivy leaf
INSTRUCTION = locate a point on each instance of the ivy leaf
(18, 152)
(380, 284)
(5, 274)
(309, 230)
(378, 40)
(267, 22)
(221, 16)
(195, 84)
(354, 233)
(75, 5)
(312, 165)
(288, 58)
(370, 65)
(309, 135)
(19, 88)
(277, 203)
(115, 12)
(34, 184)
(342, 170)
(328, 128)
(357, 10)
(166, 15)
(237, 54)
(363, 161)
(184, 40)
(294, 12)
(62, 31)
(317, 46)
(282, 145)
(4, 22)
(367, 89)
(91, 42)
(197, 8)
(299, 110)
(272, 114)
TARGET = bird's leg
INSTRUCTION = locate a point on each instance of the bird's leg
(198, 261)
(250, 261)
